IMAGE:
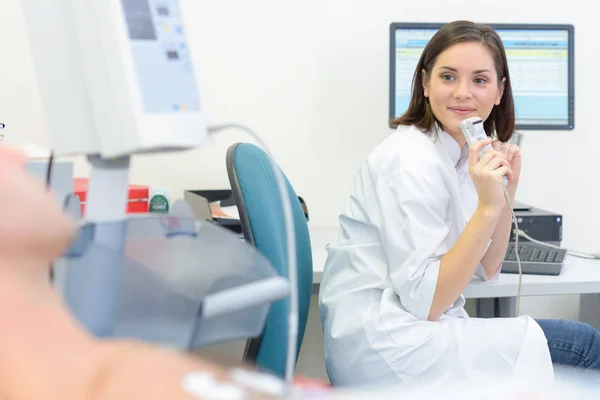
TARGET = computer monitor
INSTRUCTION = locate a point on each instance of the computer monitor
(540, 62)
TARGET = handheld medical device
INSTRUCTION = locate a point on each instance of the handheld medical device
(116, 79)
(472, 129)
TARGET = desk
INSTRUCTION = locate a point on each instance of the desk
(578, 276)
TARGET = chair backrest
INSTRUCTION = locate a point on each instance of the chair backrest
(258, 201)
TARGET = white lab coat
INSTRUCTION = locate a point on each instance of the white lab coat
(409, 203)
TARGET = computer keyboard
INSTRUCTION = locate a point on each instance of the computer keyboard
(535, 259)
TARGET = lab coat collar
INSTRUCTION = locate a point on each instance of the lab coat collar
(457, 155)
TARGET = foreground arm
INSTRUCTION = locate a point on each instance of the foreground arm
(44, 353)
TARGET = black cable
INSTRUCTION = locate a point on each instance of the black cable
(49, 187)
(49, 170)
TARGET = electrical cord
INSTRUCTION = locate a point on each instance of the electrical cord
(49, 170)
(291, 247)
(49, 187)
(507, 197)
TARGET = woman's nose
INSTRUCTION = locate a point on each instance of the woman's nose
(462, 90)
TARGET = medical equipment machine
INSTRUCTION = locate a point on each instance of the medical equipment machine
(117, 78)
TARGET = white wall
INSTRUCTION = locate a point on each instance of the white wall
(312, 78)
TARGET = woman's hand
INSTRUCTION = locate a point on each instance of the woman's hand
(487, 174)
(512, 153)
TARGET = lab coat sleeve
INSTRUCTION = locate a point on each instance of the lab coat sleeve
(414, 204)
(480, 272)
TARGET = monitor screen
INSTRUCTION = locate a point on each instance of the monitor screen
(540, 63)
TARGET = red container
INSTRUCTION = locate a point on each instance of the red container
(138, 196)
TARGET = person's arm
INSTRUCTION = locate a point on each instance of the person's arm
(492, 260)
(45, 355)
(42, 354)
(493, 257)
(459, 263)
(427, 272)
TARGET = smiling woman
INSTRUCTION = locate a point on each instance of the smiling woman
(425, 215)
(462, 84)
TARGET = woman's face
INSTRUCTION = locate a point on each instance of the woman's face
(462, 84)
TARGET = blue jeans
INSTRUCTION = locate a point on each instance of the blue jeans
(572, 344)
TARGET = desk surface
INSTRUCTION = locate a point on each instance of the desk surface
(578, 275)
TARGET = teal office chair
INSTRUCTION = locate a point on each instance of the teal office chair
(259, 204)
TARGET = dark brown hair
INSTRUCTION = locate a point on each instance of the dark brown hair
(419, 113)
